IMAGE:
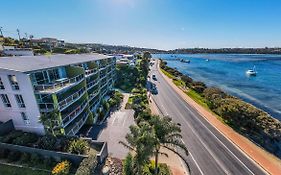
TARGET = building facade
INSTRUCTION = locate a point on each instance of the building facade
(72, 85)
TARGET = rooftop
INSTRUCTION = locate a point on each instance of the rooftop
(32, 63)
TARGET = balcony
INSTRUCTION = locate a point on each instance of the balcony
(92, 84)
(46, 107)
(71, 99)
(93, 95)
(58, 84)
(76, 112)
(76, 126)
(91, 72)
(95, 105)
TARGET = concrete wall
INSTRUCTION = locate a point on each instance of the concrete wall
(75, 159)
(14, 112)
(6, 127)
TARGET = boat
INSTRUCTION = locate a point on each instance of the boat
(251, 72)
(184, 61)
(207, 60)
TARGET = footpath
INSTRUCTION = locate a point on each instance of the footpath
(267, 161)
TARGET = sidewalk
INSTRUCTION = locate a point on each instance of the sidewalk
(173, 161)
(267, 161)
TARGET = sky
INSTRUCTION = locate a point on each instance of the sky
(162, 24)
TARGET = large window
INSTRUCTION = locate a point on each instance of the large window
(14, 82)
(1, 84)
(20, 100)
(25, 118)
(5, 100)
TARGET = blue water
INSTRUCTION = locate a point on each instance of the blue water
(227, 71)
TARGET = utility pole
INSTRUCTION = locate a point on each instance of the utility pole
(1, 31)
(18, 33)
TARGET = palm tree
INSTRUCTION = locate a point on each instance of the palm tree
(167, 135)
(51, 121)
(140, 140)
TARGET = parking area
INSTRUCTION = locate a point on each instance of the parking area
(114, 129)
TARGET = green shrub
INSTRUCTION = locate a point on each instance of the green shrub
(25, 139)
(25, 157)
(13, 156)
(47, 142)
(4, 153)
(11, 136)
(87, 166)
(128, 165)
(35, 159)
(78, 146)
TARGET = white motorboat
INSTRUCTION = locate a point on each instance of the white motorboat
(251, 72)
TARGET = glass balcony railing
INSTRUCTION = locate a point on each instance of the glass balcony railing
(71, 99)
(92, 84)
(76, 112)
(76, 126)
(58, 84)
(46, 107)
(90, 72)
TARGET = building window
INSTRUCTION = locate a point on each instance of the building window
(25, 118)
(20, 100)
(14, 82)
(1, 84)
(5, 100)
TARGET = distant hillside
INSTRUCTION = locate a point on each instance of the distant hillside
(227, 50)
(105, 48)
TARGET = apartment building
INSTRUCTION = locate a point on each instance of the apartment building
(74, 85)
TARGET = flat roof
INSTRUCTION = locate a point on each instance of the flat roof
(32, 63)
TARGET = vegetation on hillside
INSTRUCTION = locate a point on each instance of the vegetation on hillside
(248, 120)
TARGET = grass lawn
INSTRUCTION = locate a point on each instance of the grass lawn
(11, 170)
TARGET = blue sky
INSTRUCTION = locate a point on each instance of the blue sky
(163, 24)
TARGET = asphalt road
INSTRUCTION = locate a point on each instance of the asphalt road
(210, 152)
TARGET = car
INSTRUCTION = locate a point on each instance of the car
(154, 77)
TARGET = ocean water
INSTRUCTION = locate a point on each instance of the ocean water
(227, 71)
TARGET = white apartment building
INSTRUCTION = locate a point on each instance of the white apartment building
(31, 86)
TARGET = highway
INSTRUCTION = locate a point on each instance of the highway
(210, 152)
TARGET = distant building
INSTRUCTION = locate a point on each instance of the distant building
(124, 59)
(13, 51)
(75, 85)
(51, 42)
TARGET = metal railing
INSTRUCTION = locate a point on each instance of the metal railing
(57, 85)
(46, 107)
(77, 126)
(71, 116)
(92, 84)
(69, 100)
(90, 72)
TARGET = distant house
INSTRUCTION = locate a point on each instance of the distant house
(51, 42)
(13, 51)
(124, 59)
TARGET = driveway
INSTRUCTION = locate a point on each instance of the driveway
(114, 129)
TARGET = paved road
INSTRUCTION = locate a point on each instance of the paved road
(210, 152)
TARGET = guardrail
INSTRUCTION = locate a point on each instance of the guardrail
(71, 116)
(57, 85)
(69, 100)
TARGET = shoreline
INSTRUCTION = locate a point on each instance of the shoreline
(266, 160)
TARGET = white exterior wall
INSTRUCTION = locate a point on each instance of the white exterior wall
(18, 52)
(31, 108)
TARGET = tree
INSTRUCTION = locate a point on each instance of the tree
(140, 140)
(51, 122)
(128, 162)
(167, 135)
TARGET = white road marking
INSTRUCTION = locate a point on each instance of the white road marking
(194, 160)
(214, 135)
